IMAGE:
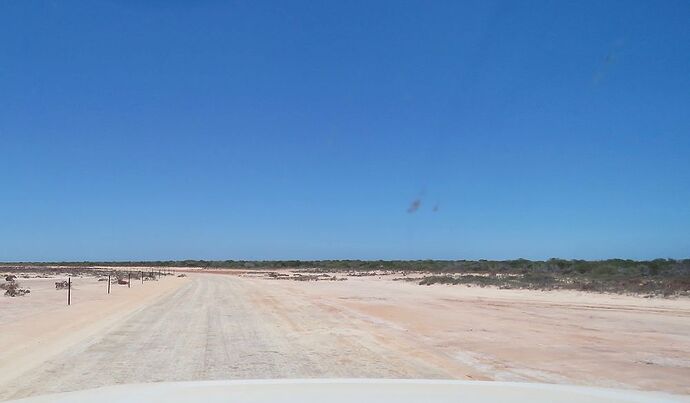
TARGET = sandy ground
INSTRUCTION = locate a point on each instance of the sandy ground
(214, 326)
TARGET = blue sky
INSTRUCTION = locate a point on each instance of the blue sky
(306, 130)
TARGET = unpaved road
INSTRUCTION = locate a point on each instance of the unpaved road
(211, 326)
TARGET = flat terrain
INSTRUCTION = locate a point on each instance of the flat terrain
(234, 326)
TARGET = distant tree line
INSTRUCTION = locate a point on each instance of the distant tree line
(652, 277)
(610, 267)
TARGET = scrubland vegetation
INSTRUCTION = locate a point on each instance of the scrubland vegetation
(654, 277)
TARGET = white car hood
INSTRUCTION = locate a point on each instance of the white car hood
(353, 390)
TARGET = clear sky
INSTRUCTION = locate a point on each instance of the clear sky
(344, 129)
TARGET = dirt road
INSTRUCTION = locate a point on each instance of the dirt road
(229, 327)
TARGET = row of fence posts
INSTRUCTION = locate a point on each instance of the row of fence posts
(129, 280)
